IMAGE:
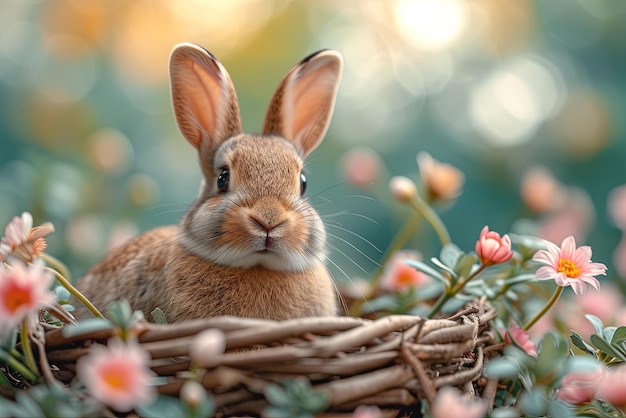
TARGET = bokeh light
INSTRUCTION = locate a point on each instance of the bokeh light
(523, 97)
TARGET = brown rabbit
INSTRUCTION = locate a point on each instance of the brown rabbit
(250, 245)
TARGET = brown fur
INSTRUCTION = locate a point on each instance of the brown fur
(256, 249)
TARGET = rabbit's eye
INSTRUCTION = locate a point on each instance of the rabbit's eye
(302, 184)
(223, 180)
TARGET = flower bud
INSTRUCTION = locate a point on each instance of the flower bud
(192, 393)
(441, 181)
(493, 249)
(402, 188)
(207, 348)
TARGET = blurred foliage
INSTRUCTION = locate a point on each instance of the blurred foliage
(494, 88)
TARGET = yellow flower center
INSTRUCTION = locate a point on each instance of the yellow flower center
(114, 377)
(568, 267)
(15, 297)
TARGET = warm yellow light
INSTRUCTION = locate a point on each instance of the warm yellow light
(431, 24)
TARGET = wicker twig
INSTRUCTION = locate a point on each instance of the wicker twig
(389, 362)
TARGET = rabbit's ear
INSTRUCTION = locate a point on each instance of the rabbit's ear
(204, 99)
(303, 103)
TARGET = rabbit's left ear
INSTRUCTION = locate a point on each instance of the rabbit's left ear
(303, 103)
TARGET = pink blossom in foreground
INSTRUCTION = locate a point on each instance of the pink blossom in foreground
(540, 191)
(441, 181)
(612, 386)
(579, 388)
(617, 206)
(367, 412)
(24, 290)
(450, 403)
(399, 276)
(522, 339)
(117, 375)
(22, 240)
(362, 166)
(493, 249)
(207, 348)
(569, 266)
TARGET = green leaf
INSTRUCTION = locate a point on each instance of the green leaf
(505, 413)
(443, 267)
(4, 381)
(159, 316)
(276, 395)
(426, 269)
(619, 335)
(597, 323)
(578, 341)
(606, 347)
(502, 368)
(608, 332)
(121, 313)
(87, 326)
(528, 241)
(164, 407)
(450, 255)
(534, 402)
(464, 265)
(553, 349)
(522, 278)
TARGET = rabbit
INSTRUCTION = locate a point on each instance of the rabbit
(250, 245)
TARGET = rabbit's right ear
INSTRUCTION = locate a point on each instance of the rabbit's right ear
(204, 99)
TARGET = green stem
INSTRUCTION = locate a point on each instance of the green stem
(19, 367)
(57, 265)
(546, 308)
(454, 290)
(61, 279)
(432, 218)
(27, 348)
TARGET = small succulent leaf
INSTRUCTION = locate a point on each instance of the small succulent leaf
(606, 347)
(502, 368)
(596, 322)
(87, 326)
(426, 269)
(578, 341)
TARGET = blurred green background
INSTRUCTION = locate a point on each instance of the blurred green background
(495, 88)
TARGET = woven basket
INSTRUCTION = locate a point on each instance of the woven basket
(392, 362)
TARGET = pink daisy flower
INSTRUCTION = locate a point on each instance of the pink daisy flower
(24, 290)
(117, 375)
(569, 266)
(22, 240)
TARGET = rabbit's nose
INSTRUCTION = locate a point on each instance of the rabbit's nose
(266, 225)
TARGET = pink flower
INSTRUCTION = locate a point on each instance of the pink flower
(24, 290)
(441, 181)
(22, 240)
(493, 249)
(399, 276)
(207, 348)
(569, 266)
(612, 386)
(540, 191)
(367, 412)
(579, 388)
(522, 339)
(117, 375)
(617, 206)
(450, 403)
(619, 257)
(361, 166)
